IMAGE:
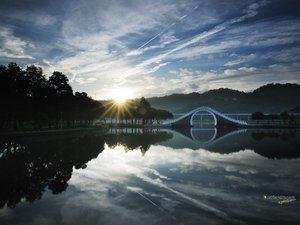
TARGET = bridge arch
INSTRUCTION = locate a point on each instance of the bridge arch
(201, 109)
(216, 137)
(220, 119)
(193, 133)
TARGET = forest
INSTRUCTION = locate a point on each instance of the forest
(32, 100)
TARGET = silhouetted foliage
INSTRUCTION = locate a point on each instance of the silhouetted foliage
(257, 116)
(283, 116)
(29, 99)
(137, 140)
(296, 109)
(137, 111)
(30, 165)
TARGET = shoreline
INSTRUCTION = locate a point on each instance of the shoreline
(51, 131)
(105, 128)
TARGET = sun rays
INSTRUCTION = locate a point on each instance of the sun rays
(119, 108)
(120, 95)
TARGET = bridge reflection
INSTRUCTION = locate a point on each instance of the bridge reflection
(270, 143)
(209, 136)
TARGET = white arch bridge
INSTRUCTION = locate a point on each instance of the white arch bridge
(220, 119)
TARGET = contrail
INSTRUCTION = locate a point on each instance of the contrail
(153, 203)
(250, 11)
(143, 45)
(199, 204)
(167, 28)
(149, 200)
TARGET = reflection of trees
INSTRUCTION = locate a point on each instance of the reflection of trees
(270, 143)
(286, 135)
(29, 165)
(277, 143)
(273, 144)
(142, 140)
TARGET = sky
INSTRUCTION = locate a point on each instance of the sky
(155, 48)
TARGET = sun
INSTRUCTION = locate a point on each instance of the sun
(120, 99)
(120, 95)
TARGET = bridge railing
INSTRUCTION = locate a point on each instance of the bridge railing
(209, 110)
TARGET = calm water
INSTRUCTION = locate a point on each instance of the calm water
(134, 177)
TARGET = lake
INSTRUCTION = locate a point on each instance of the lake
(135, 176)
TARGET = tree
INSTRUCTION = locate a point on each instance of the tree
(36, 82)
(61, 95)
(59, 82)
(26, 95)
(284, 116)
(144, 110)
(257, 116)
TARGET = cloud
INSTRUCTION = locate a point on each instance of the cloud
(13, 47)
(185, 80)
(102, 44)
(249, 12)
(242, 59)
(143, 67)
(259, 35)
(165, 39)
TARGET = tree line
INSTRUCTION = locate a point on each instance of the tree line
(134, 112)
(282, 116)
(31, 100)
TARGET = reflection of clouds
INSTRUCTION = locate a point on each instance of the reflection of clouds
(156, 173)
(244, 162)
(130, 168)
(168, 186)
(241, 181)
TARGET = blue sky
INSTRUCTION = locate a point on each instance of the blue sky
(155, 48)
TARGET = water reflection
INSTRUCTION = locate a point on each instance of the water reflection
(270, 143)
(151, 177)
(29, 165)
(133, 139)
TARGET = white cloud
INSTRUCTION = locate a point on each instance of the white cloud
(12, 46)
(243, 78)
(165, 39)
(173, 72)
(242, 59)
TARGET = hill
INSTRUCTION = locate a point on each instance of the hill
(268, 98)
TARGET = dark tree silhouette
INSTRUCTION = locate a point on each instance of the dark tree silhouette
(31, 101)
(136, 111)
(257, 116)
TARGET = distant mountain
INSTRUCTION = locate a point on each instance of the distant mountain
(268, 98)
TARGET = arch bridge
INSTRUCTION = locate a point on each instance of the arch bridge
(220, 119)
